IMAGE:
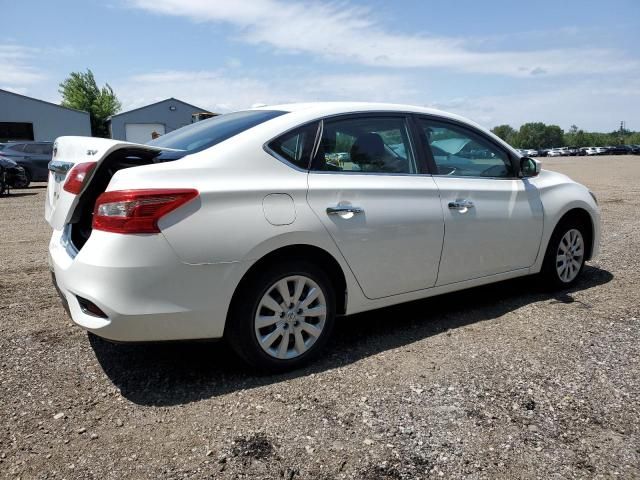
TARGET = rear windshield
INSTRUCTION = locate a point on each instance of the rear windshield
(206, 133)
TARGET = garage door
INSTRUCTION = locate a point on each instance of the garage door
(141, 132)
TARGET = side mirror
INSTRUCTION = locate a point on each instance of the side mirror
(529, 167)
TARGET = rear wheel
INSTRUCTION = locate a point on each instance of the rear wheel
(283, 316)
(565, 255)
(23, 183)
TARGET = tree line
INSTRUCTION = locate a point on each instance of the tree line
(538, 135)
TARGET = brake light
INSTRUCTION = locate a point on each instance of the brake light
(137, 211)
(77, 176)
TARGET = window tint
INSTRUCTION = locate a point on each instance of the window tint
(295, 146)
(205, 134)
(38, 148)
(462, 153)
(365, 144)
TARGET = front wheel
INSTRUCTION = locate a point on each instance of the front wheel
(283, 316)
(565, 255)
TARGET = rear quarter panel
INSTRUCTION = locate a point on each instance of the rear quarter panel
(227, 222)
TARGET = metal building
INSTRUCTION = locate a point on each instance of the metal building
(26, 118)
(141, 124)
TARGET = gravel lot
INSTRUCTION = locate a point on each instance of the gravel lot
(504, 381)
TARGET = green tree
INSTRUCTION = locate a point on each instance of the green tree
(505, 132)
(81, 92)
(538, 135)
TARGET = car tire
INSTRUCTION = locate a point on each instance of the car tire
(565, 256)
(272, 333)
(27, 181)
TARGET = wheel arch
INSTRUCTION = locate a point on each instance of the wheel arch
(317, 255)
(582, 216)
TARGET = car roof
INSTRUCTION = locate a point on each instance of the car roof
(314, 110)
(333, 108)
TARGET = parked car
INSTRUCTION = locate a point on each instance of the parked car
(32, 156)
(589, 150)
(238, 227)
(601, 150)
(555, 152)
(11, 175)
(618, 150)
(530, 152)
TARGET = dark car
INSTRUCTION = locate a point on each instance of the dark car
(619, 150)
(634, 149)
(34, 157)
(11, 175)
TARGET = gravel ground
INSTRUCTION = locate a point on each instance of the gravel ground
(504, 381)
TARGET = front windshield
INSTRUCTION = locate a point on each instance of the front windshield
(206, 133)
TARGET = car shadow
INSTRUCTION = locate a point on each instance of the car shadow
(11, 194)
(173, 373)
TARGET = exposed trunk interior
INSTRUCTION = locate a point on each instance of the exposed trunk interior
(81, 219)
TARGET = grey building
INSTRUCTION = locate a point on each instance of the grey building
(26, 118)
(139, 124)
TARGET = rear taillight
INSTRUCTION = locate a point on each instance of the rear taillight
(137, 211)
(77, 176)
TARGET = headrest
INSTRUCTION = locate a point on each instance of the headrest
(368, 148)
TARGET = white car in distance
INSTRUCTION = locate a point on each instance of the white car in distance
(263, 226)
(555, 152)
(591, 151)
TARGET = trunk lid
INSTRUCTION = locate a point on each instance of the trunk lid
(68, 152)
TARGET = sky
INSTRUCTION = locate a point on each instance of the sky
(555, 61)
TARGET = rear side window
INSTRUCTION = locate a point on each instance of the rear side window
(18, 147)
(366, 144)
(295, 146)
(207, 133)
(38, 148)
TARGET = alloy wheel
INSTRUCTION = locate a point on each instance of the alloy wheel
(570, 255)
(290, 317)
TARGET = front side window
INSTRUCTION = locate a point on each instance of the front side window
(365, 144)
(295, 146)
(462, 153)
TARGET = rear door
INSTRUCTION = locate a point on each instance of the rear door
(374, 199)
(493, 219)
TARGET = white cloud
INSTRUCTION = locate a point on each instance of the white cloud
(225, 90)
(343, 33)
(16, 69)
(588, 105)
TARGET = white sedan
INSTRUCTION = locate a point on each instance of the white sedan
(262, 226)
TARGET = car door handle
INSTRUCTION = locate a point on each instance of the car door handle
(342, 209)
(461, 205)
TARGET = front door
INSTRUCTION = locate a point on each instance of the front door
(493, 219)
(383, 214)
